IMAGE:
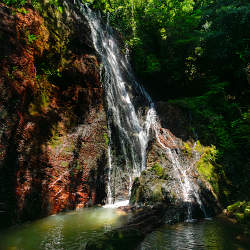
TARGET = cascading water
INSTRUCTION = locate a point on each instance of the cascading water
(131, 114)
(128, 120)
(189, 190)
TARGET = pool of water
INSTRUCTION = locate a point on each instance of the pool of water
(73, 230)
(65, 231)
(216, 233)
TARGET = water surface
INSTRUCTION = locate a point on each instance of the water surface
(65, 231)
(73, 230)
(214, 234)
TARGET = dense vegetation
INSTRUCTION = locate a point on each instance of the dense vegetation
(194, 53)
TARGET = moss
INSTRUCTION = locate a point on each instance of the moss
(140, 194)
(206, 166)
(236, 207)
(240, 210)
(239, 217)
(199, 147)
(226, 194)
(31, 37)
(158, 170)
(247, 214)
(41, 101)
(187, 149)
(106, 138)
(69, 148)
(78, 166)
(134, 192)
(55, 138)
(64, 163)
(157, 193)
(173, 195)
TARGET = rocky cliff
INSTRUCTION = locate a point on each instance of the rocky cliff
(53, 128)
(52, 122)
(177, 163)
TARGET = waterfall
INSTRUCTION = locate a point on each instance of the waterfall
(189, 189)
(129, 122)
(132, 120)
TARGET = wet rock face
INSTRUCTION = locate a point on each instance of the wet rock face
(52, 122)
(173, 163)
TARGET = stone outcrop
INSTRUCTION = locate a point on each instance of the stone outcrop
(53, 133)
(52, 121)
(162, 183)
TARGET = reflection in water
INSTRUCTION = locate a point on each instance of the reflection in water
(73, 230)
(208, 234)
(65, 231)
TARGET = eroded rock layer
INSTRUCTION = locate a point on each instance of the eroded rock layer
(52, 122)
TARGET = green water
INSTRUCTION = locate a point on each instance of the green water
(65, 231)
(73, 230)
(215, 234)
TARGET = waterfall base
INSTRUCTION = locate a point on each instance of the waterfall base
(117, 204)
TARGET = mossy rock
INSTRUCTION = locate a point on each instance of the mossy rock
(157, 169)
(237, 207)
(241, 211)
(247, 214)
(239, 217)
(187, 149)
(157, 193)
(134, 191)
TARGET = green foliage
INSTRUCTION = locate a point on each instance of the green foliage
(207, 165)
(19, 3)
(225, 36)
(241, 129)
(22, 10)
(240, 210)
(15, 2)
(78, 166)
(209, 111)
(31, 38)
(50, 71)
(187, 149)
(35, 3)
(58, 4)
(218, 121)
(64, 164)
(237, 206)
(149, 27)
(106, 138)
(195, 52)
(152, 64)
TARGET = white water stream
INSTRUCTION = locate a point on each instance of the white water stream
(189, 189)
(132, 126)
(130, 122)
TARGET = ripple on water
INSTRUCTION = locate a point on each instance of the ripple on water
(206, 234)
